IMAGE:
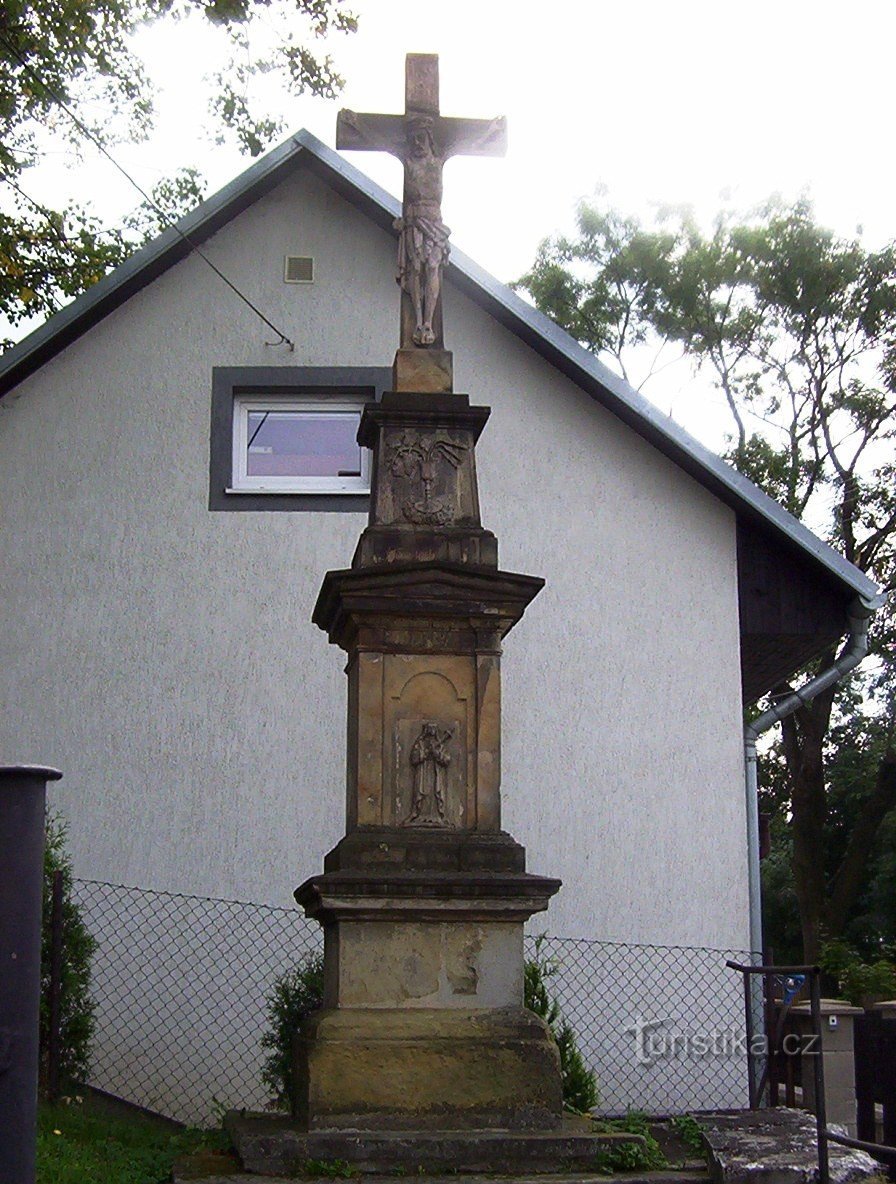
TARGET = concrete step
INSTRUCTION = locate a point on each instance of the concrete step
(776, 1146)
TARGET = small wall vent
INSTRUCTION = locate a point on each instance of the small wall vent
(298, 269)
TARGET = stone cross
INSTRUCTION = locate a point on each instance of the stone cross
(422, 139)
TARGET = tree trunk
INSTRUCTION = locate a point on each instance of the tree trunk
(825, 908)
(803, 736)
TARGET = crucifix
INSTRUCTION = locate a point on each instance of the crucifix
(422, 139)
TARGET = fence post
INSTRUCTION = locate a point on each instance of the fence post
(22, 807)
(749, 1014)
(821, 1120)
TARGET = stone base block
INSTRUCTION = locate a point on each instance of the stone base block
(433, 1069)
(403, 964)
(776, 1147)
(269, 1145)
(390, 848)
(382, 545)
(425, 370)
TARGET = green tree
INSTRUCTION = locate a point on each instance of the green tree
(47, 257)
(75, 1005)
(578, 1082)
(293, 997)
(796, 328)
(77, 56)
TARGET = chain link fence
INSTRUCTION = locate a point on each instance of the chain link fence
(662, 1027)
(180, 985)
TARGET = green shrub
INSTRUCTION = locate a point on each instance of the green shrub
(862, 983)
(293, 996)
(76, 1009)
(579, 1086)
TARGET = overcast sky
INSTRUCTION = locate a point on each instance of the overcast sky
(661, 102)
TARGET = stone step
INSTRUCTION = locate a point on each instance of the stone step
(277, 1146)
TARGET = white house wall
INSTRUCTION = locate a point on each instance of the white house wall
(162, 655)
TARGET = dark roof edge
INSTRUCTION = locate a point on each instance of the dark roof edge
(546, 338)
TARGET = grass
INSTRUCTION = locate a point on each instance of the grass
(629, 1157)
(95, 1142)
(86, 1143)
(688, 1130)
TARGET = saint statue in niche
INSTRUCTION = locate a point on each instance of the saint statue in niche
(429, 760)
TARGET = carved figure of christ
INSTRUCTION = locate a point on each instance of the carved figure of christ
(423, 140)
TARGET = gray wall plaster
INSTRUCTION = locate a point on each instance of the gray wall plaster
(163, 656)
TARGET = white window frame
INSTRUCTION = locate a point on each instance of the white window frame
(318, 404)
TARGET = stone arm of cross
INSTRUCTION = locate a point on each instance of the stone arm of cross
(372, 133)
(473, 137)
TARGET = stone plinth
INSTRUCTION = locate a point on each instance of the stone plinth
(435, 1068)
(424, 493)
(424, 644)
(423, 370)
(422, 1027)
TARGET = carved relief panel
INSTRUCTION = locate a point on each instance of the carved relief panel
(425, 461)
(429, 708)
(426, 478)
(424, 740)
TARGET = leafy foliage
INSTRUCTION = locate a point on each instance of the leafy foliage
(330, 1169)
(78, 947)
(78, 56)
(293, 996)
(80, 52)
(796, 329)
(862, 983)
(688, 1130)
(579, 1086)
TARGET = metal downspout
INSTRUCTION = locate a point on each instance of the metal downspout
(858, 616)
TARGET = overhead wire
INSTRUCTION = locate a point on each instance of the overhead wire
(41, 209)
(167, 220)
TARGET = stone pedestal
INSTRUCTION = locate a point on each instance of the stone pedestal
(424, 900)
(422, 1026)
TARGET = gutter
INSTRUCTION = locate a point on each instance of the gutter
(855, 649)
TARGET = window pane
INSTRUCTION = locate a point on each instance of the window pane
(303, 444)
